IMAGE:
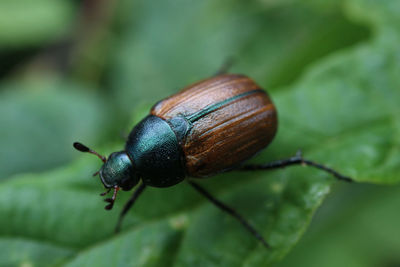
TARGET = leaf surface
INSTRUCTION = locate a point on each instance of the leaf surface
(343, 112)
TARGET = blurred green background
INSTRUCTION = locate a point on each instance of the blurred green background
(88, 70)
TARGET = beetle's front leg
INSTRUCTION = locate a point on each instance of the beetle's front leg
(295, 160)
(128, 205)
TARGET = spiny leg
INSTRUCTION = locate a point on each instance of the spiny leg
(296, 160)
(230, 211)
(128, 205)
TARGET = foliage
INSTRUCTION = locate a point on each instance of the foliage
(331, 67)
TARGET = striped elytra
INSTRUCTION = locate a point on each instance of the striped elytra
(230, 117)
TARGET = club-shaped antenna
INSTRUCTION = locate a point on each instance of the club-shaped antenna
(82, 148)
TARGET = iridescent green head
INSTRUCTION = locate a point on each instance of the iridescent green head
(116, 173)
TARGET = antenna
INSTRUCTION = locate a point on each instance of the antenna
(82, 148)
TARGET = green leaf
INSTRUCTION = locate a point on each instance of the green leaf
(43, 118)
(63, 208)
(22, 252)
(371, 222)
(342, 112)
(27, 23)
(174, 43)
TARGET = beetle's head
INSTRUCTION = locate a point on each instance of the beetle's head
(116, 173)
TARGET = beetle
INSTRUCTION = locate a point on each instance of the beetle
(209, 127)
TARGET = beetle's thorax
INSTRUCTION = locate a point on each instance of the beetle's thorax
(154, 150)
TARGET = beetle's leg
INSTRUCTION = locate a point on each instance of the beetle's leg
(112, 199)
(230, 211)
(128, 205)
(296, 160)
(225, 66)
(106, 192)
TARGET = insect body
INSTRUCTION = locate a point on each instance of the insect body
(209, 127)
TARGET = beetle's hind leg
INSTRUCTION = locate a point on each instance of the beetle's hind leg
(295, 160)
(230, 211)
(226, 65)
(128, 205)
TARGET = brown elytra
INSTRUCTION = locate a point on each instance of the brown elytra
(231, 120)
